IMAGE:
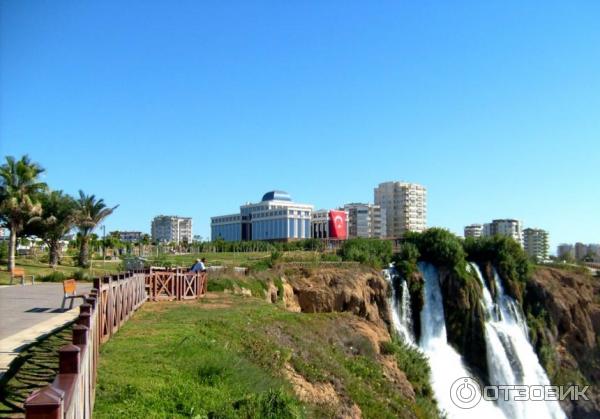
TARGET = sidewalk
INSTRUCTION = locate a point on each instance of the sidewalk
(30, 311)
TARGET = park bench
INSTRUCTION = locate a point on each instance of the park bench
(70, 292)
(20, 273)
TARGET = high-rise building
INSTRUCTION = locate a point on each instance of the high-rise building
(275, 217)
(405, 206)
(329, 224)
(474, 230)
(536, 243)
(366, 220)
(565, 251)
(506, 227)
(172, 228)
(581, 251)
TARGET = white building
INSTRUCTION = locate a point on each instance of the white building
(275, 217)
(474, 230)
(130, 236)
(172, 228)
(366, 220)
(405, 206)
(505, 227)
(536, 243)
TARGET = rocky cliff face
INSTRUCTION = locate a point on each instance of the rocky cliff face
(563, 311)
(361, 292)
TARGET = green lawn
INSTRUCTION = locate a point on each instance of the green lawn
(224, 357)
(40, 270)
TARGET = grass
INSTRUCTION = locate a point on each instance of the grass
(41, 270)
(224, 357)
(35, 367)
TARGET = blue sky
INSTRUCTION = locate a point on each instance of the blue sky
(193, 107)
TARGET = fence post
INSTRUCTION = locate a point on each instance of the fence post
(68, 359)
(45, 403)
(80, 334)
(85, 319)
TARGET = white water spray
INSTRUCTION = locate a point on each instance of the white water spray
(401, 314)
(446, 364)
(510, 357)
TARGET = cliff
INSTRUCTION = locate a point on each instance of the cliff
(563, 310)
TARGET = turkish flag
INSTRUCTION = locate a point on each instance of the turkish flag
(337, 225)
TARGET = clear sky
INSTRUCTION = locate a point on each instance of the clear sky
(194, 107)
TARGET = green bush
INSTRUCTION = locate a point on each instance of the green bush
(330, 257)
(53, 277)
(372, 252)
(439, 247)
(272, 404)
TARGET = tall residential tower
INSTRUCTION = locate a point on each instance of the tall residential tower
(405, 206)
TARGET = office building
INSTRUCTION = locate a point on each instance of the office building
(172, 228)
(366, 220)
(329, 224)
(536, 243)
(275, 217)
(405, 206)
(474, 230)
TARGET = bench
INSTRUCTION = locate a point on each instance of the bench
(70, 288)
(20, 272)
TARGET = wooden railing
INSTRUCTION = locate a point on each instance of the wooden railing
(110, 304)
(175, 284)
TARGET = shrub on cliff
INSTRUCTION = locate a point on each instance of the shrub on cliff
(373, 252)
(507, 256)
(439, 247)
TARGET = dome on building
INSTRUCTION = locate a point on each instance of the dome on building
(276, 196)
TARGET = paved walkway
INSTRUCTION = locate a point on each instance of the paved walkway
(30, 311)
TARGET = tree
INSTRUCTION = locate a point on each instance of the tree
(90, 212)
(57, 219)
(19, 188)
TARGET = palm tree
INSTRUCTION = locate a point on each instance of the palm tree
(19, 187)
(90, 212)
(57, 219)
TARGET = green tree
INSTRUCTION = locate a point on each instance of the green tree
(57, 219)
(19, 188)
(90, 212)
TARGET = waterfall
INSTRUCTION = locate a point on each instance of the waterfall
(446, 364)
(401, 314)
(510, 357)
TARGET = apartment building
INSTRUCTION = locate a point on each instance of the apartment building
(366, 220)
(505, 227)
(130, 236)
(536, 243)
(405, 206)
(565, 251)
(474, 230)
(172, 228)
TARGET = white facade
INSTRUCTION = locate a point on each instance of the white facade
(474, 230)
(172, 228)
(506, 227)
(130, 236)
(536, 243)
(275, 217)
(366, 220)
(405, 206)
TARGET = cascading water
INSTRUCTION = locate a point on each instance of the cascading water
(401, 314)
(446, 364)
(510, 357)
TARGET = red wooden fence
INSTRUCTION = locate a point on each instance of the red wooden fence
(175, 284)
(72, 393)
